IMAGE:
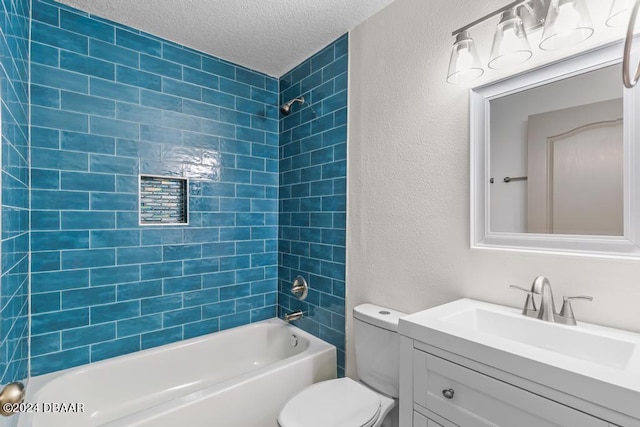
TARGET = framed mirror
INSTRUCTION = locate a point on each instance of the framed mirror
(555, 160)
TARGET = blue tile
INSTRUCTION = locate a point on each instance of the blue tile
(49, 240)
(165, 336)
(110, 202)
(218, 309)
(113, 165)
(112, 90)
(86, 65)
(180, 317)
(45, 138)
(138, 43)
(85, 220)
(114, 348)
(161, 67)
(139, 290)
(112, 53)
(181, 89)
(181, 56)
(116, 311)
(201, 328)
(87, 181)
(60, 360)
(173, 253)
(46, 13)
(65, 120)
(114, 238)
(182, 284)
(55, 159)
(87, 104)
(234, 320)
(57, 321)
(139, 255)
(162, 101)
(59, 38)
(139, 325)
(116, 128)
(87, 26)
(114, 275)
(218, 67)
(42, 199)
(87, 335)
(88, 258)
(200, 297)
(45, 179)
(43, 303)
(88, 143)
(43, 344)
(138, 78)
(161, 237)
(160, 304)
(201, 266)
(161, 270)
(45, 96)
(45, 55)
(45, 261)
(59, 280)
(200, 78)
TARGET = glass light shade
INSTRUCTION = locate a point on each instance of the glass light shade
(510, 44)
(619, 14)
(464, 64)
(567, 24)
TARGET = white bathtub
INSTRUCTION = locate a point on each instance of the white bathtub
(238, 377)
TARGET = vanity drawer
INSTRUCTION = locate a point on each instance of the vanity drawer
(420, 420)
(468, 398)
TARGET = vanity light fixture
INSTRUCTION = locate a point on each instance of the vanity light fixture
(464, 64)
(619, 13)
(564, 22)
(568, 23)
(510, 44)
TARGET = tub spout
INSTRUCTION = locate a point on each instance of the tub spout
(296, 315)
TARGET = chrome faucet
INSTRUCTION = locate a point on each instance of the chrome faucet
(296, 315)
(547, 311)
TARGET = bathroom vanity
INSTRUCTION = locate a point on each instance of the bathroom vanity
(470, 363)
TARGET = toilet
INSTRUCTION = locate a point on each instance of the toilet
(344, 402)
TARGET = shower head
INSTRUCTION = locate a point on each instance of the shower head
(285, 108)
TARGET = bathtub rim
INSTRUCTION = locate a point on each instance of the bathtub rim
(37, 383)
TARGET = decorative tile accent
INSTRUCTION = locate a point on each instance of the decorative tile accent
(163, 200)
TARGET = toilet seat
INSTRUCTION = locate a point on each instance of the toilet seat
(341, 402)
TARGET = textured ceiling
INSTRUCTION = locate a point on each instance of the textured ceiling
(271, 36)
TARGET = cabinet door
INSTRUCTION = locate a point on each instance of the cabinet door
(468, 398)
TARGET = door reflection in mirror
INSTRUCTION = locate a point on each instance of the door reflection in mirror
(566, 138)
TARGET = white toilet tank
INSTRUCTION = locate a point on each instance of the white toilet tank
(377, 347)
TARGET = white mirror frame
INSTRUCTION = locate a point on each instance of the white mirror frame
(626, 246)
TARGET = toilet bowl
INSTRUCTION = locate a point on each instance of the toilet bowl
(344, 402)
(341, 402)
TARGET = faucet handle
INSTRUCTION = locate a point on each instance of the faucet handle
(566, 312)
(529, 304)
(520, 288)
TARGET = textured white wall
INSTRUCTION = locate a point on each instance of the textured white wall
(408, 166)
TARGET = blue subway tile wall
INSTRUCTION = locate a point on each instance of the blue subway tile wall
(312, 200)
(14, 79)
(109, 103)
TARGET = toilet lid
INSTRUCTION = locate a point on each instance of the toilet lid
(337, 403)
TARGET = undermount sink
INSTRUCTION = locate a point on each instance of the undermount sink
(596, 363)
(570, 341)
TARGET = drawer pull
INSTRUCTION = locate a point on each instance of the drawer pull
(448, 393)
